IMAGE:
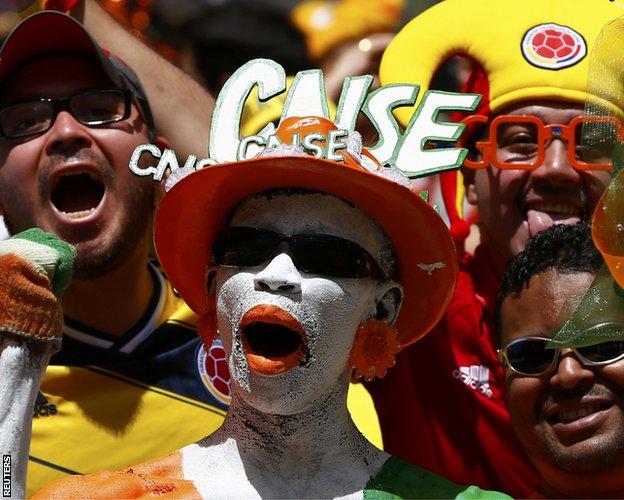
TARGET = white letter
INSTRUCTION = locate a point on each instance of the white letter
(225, 128)
(378, 108)
(352, 97)
(273, 141)
(410, 155)
(306, 96)
(314, 148)
(168, 159)
(333, 146)
(136, 156)
(190, 162)
(243, 146)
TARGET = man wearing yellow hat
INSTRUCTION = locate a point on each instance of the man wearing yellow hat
(529, 168)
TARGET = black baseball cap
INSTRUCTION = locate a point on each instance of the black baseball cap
(50, 31)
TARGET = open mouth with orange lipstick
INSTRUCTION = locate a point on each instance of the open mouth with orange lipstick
(274, 341)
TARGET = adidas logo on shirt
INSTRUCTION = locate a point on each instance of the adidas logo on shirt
(476, 377)
(43, 408)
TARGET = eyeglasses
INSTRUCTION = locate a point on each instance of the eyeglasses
(529, 355)
(313, 254)
(519, 142)
(92, 108)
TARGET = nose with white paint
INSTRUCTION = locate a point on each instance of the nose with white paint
(280, 275)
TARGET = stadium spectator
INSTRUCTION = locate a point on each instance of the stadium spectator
(302, 288)
(531, 62)
(565, 402)
(130, 352)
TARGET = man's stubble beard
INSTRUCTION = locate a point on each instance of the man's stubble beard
(96, 264)
(603, 453)
(139, 201)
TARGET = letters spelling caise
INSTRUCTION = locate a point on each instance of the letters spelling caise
(410, 151)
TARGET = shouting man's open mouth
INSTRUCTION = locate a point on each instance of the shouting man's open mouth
(274, 341)
(77, 193)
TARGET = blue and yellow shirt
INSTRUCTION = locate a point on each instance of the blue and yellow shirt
(108, 402)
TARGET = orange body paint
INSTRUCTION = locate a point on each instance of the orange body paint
(160, 478)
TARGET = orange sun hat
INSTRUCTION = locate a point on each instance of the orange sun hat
(197, 207)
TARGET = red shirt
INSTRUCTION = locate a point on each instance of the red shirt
(442, 406)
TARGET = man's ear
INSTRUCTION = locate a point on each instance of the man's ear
(470, 186)
(161, 142)
(388, 301)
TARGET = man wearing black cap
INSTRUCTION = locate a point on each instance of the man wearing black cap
(70, 117)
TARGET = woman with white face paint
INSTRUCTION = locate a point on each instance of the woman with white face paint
(311, 271)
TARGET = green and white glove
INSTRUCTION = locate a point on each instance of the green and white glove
(35, 270)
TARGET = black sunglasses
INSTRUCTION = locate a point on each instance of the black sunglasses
(91, 107)
(529, 355)
(311, 253)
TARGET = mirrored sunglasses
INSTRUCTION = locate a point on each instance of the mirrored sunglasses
(530, 356)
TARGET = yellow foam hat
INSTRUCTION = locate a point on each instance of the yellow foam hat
(329, 23)
(533, 49)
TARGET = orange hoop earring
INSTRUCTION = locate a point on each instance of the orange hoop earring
(374, 348)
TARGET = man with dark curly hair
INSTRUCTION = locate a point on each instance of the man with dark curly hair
(565, 402)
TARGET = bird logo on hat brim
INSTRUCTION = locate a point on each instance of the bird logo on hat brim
(552, 46)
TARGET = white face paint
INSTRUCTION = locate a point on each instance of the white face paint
(329, 309)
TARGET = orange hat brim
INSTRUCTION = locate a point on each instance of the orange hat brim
(197, 207)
